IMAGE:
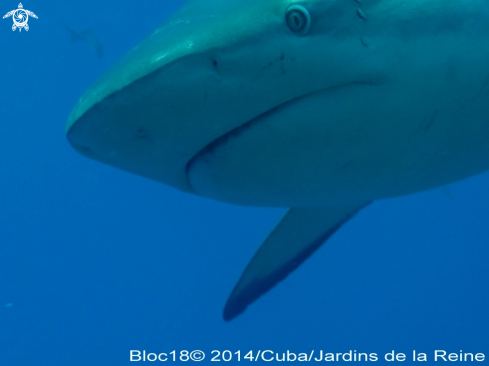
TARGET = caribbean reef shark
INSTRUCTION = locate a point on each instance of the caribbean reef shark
(89, 37)
(320, 106)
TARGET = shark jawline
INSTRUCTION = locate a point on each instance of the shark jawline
(236, 132)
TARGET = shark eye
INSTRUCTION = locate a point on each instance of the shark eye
(298, 19)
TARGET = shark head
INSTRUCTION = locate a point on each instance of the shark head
(215, 71)
(319, 105)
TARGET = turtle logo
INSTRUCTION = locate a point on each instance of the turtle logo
(20, 17)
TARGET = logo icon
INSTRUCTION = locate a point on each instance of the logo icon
(20, 17)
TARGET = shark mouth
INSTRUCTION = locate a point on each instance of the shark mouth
(209, 151)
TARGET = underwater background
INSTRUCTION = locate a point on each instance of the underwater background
(95, 262)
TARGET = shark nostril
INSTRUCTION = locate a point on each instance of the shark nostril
(85, 149)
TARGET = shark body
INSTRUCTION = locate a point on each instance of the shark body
(321, 106)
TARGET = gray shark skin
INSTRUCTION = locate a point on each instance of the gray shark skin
(321, 106)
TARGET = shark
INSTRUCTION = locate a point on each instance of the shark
(318, 106)
(88, 36)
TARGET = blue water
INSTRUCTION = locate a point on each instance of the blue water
(95, 262)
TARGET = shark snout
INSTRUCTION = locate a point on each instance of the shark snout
(154, 125)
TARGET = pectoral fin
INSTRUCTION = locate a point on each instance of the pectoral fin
(296, 237)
